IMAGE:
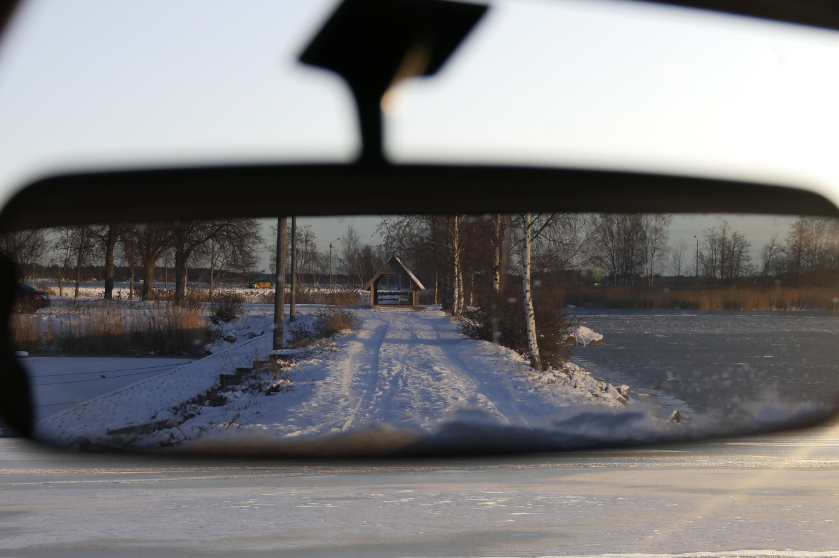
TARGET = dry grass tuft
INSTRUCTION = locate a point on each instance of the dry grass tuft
(113, 327)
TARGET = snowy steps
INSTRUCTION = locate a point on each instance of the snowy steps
(242, 372)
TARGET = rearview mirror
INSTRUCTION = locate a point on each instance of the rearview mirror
(418, 334)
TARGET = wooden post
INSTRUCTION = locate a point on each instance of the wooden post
(279, 293)
(293, 266)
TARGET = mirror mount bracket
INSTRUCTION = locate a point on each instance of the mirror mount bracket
(374, 44)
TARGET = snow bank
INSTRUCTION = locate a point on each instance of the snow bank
(152, 399)
(584, 336)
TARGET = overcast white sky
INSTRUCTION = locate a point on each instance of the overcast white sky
(109, 84)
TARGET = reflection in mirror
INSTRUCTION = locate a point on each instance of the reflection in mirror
(408, 334)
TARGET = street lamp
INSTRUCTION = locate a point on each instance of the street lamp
(331, 282)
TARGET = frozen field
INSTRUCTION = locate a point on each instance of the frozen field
(62, 382)
(709, 359)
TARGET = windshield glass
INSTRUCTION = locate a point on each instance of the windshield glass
(563, 83)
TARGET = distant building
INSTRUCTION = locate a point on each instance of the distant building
(394, 286)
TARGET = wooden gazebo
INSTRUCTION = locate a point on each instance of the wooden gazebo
(394, 286)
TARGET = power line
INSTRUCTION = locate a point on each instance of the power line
(107, 371)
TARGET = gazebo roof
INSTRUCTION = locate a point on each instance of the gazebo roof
(388, 269)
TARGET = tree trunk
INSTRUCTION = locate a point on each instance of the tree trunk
(530, 319)
(212, 270)
(279, 293)
(445, 293)
(460, 289)
(148, 280)
(293, 267)
(131, 282)
(109, 261)
(496, 267)
(456, 276)
(180, 274)
(79, 258)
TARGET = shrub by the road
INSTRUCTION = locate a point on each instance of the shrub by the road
(334, 319)
(553, 325)
(227, 306)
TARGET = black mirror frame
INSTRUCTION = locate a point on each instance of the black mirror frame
(303, 190)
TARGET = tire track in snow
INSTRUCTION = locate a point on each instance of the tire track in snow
(448, 348)
(371, 370)
(396, 375)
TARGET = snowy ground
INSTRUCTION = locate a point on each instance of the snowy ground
(767, 496)
(402, 369)
(62, 382)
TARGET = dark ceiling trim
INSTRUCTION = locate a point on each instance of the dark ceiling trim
(310, 190)
(817, 13)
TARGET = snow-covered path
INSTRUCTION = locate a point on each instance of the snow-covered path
(406, 369)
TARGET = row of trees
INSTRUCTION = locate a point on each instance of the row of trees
(221, 245)
(353, 260)
(468, 258)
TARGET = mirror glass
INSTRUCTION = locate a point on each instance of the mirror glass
(406, 333)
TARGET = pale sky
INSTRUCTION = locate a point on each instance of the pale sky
(89, 84)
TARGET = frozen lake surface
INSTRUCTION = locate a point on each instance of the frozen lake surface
(708, 360)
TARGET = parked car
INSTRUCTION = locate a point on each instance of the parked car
(30, 300)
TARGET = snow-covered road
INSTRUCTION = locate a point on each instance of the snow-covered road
(767, 496)
(408, 369)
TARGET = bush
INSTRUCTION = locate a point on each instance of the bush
(299, 335)
(553, 325)
(333, 319)
(227, 306)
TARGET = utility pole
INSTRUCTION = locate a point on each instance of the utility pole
(697, 260)
(331, 280)
(279, 293)
(293, 266)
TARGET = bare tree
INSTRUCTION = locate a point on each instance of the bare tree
(348, 258)
(769, 255)
(677, 254)
(128, 253)
(149, 241)
(106, 237)
(532, 228)
(232, 247)
(530, 318)
(63, 246)
(25, 249)
(656, 232)
(726, 255)
(617, 245)
(83, 249)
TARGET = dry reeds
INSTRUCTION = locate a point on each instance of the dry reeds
(740, 298)
(113, 327)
